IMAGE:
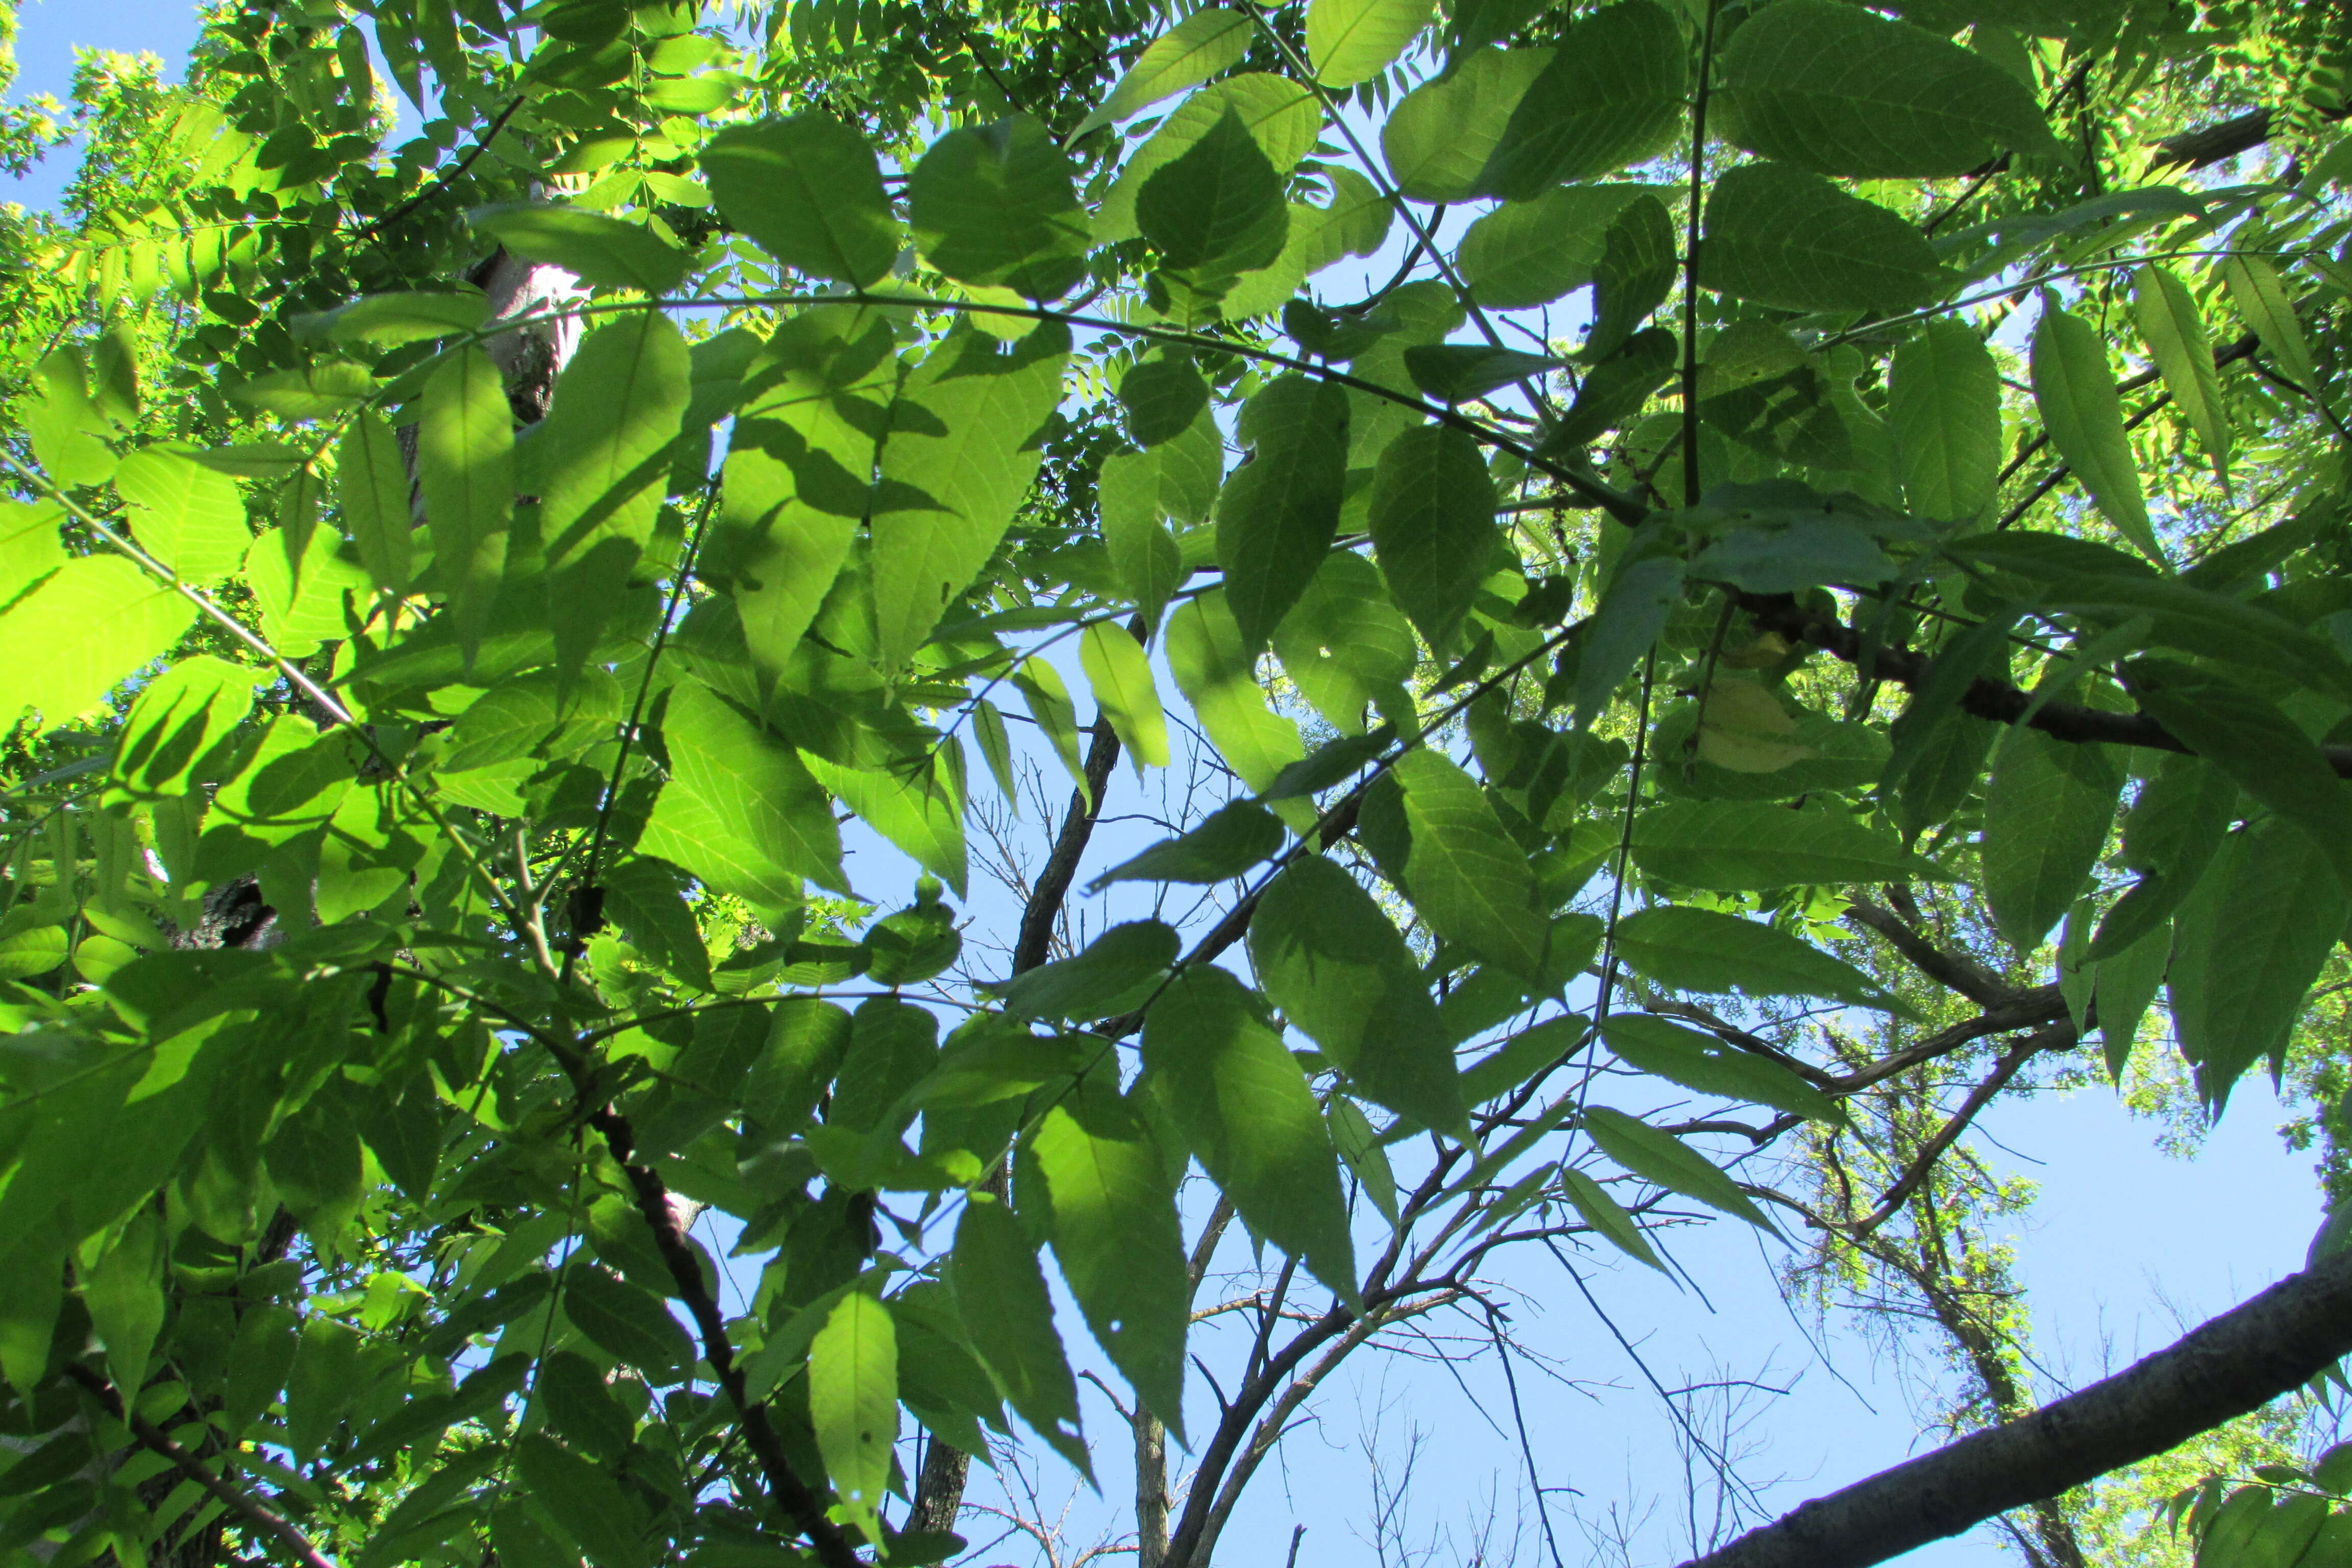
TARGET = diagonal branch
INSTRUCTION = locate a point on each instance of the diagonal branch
(1955, 972)
(2236, 1362)
(802, 1506)
(2057, 1037)
(258, 1514)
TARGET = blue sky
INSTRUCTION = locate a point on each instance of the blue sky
(2127, 1246)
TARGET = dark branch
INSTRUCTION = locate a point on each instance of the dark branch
(256, 1513)
(2237, 1362)
(802, 1506)
(1995, 700)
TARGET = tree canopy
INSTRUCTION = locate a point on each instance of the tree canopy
(1693, 590)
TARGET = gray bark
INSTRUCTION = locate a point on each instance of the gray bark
(2237, 1362)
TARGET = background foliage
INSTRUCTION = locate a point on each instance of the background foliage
(1823, 597)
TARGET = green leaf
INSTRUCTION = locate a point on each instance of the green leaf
(1634, 611)
(2247, 947)
(97, 620)
(809, 190)
(1354, 40)
(1439, 138)
(1455, 373)
(584, 1499)
(1731, 846)
(179, 730)
(601, 251)
(1121, 677)
(301, 609)
(1615, 389)
(1279, 512)
(1605, 1214)
(1282, 116)
(1532, 252)
(2263, 303)
(1114, 1230)
(1701, 949)
(311, 392)
(1144, 554)
(2075, 392)
(2174, 331)
(2202, 621)
(530, 715)
(1700, 1061)
(1667, 1159)
(1944, 402)
(1611, 94)
(1759, 387)
(1093, 984)
(1226, 843)
(1831, 87)
(799, 472)
(123, 1292)
(1001, 1296)
(1433, 526)
(1343, 643)
(1360, 1146)
(388, 320)
(1467, 878)
(1217, 673)
(741, 810)
(1210, 40)
(912, 795)
(628, 1322)
(599, 462)
(993, 206)
(959, 458)
(2047, 812)
(646, 899)
(807, 1040)
(68, 434)
(1163, 397)
(1218, 209)
(1332, 960)
(1639, 259)
(1784, 237)
(372, 494)
(854, 1403)
(185, 515)
(1243, 1104)
(319, 1384)
(465, 466)
(2250, 741)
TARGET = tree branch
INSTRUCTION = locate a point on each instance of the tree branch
(802, 1506)
(2234, 1364)
(252, 1511)
(1995, 700)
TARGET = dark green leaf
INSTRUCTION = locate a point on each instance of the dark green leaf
(1611, 94)
(993, 206)
(1783, 236)
(1226, 843)
(1000, 1297)
(1700, 1061)
(2047, 813)
(1702, 949)
(1638, 263)
(1217, 209)
(1944, 403)
(809, 190)
(1663, 1158)
(1090, 985)
(1737, 845)
(1467, 878)
(1280, 510)
(602, 251)
(1333, 961)
(628, 1322)
(1244, 1105)
(1114, 1233)
(1832, 89)
(1433, 526)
